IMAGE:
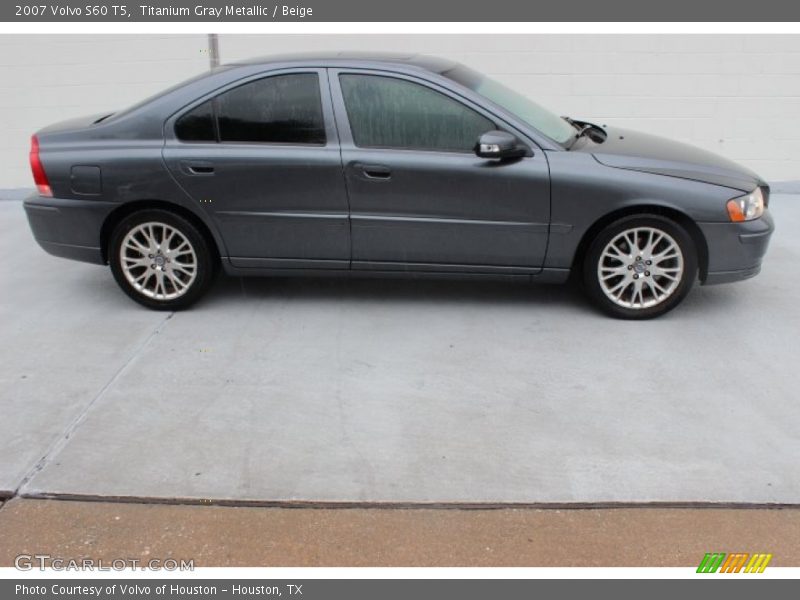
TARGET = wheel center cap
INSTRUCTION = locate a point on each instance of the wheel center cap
(639, 267)
(159, 260)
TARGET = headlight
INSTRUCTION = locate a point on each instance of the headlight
(748, 207)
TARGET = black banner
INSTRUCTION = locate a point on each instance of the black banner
(705, 586)
(406, 11)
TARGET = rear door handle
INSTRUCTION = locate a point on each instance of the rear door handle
(376, 171)
(197, 167)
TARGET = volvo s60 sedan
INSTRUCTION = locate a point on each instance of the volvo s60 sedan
(387, 165)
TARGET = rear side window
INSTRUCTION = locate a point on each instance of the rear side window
(385, 112)
(197, 125)
(281, 109)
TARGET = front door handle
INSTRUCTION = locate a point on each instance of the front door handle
(197, 167)
(376, 171)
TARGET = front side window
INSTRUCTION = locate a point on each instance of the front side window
(282, 109)
(386, 112)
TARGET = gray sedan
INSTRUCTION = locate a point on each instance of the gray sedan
(384, 165)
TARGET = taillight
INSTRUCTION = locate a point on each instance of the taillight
(39, 176)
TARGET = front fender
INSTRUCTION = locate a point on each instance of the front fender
(584, 192)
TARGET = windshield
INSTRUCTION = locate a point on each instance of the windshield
(538, 117)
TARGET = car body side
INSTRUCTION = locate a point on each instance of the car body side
(100, 172)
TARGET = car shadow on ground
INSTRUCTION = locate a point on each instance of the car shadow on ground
(227, 289)
(561, 299)
(569, 297)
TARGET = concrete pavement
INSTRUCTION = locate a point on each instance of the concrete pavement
(65, 336)
(394, 391)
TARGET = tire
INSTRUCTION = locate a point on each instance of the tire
(171, 277)
(640, 267)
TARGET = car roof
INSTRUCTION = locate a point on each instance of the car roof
(353, 59)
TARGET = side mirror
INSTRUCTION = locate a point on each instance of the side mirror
(499, 145)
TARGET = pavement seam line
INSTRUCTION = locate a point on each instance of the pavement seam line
(345, 505)
(58, 444)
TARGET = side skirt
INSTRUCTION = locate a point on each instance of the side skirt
(546, 275)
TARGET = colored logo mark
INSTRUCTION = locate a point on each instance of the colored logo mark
(736, 562)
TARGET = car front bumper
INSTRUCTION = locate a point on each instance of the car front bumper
(735, 250)
(68, 228)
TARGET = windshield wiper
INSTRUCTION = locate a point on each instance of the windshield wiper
(594, 132)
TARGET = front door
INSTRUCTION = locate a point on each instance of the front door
(419, 197)
(262, 158)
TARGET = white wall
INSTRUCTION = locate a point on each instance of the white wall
(733, 94)
(47, 78)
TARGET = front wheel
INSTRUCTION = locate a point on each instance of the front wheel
(160, 259)
(640, 267)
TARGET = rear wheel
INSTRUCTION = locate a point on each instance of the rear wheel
(160, 259)
(640, 267)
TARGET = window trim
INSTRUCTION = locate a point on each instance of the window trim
(326, 110)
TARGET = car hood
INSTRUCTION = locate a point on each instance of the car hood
(626, 149)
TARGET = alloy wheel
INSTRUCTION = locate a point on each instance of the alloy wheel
(158, 261)
(640, 268)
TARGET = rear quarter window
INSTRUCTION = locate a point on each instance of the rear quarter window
(197, 125)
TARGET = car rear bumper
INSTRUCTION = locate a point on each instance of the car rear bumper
(735, 250)
(68, 228)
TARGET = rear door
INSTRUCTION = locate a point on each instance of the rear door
(262, 158)
(419, 197)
